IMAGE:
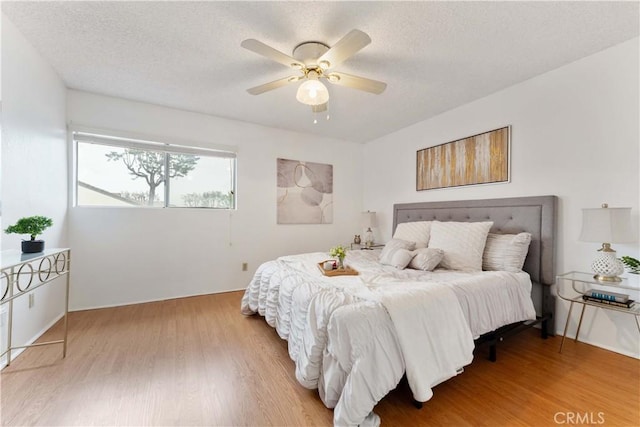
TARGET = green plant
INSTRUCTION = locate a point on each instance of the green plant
(632, 264)
(31, 225)
(339, 252)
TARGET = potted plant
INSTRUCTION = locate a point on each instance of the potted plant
(339, 252)
(632, 264)
(33, 226)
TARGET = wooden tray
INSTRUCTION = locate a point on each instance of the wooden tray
(346, 271)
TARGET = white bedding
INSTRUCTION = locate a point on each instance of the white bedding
(353, 337)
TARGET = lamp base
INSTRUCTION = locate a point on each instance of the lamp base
(606, 266)
(368, 238)
(601, 278)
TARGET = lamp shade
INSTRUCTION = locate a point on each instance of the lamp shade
(368, 219)
(606, 225)
(312, 92)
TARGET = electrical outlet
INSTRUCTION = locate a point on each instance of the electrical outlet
(3, 316)
(245, 266)
(32, 300)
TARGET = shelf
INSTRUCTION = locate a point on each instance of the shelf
(630, 282)
(634, 309)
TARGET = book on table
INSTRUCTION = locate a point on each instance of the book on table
(606, 295)
(626, 304)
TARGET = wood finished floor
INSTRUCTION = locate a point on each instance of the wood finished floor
(198, 361)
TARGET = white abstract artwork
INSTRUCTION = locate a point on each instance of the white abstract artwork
(305, 192)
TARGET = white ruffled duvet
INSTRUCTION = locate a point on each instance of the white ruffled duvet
(353, 337)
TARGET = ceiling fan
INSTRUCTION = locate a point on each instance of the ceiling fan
(316, 60)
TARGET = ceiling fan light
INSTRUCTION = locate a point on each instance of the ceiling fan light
(319, 108)
(312, 92)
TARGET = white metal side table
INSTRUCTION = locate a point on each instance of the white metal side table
(22, 273)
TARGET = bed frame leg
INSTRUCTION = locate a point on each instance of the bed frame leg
(417, 404)
(543, 329)
(492, 352)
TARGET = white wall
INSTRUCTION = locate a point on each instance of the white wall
(575, 134)
(34, 166)
(128, 255)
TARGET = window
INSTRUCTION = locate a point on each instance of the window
(117, 171)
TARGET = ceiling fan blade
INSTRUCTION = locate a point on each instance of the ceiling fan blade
(360, 83)
(346, 46)
(272, 85)
(268, 52)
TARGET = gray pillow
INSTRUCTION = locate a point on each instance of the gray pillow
(399, 259)
(392, 246)
(426, 259)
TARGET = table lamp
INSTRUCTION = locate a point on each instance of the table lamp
(607, 225)
(368, 221)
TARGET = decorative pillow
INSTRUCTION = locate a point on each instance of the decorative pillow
(462, 242)
(506, 252)
(392, 246)
(399, 258)
(426, 258)
(414, 232)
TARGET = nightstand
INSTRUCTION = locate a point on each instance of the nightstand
(361, 246)
(582, 282)
(374, 246)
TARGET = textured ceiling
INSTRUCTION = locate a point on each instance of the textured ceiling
(434, 56)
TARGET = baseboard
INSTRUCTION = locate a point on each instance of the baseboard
(600, 345)
(97, 307)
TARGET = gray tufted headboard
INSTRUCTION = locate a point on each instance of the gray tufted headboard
(536, 215)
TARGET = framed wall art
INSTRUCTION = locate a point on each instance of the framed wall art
(478, 159)
(305, 192)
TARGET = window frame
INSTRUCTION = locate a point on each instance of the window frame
(110, 138)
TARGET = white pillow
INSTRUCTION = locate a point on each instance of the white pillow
(426, 258)
(392, 246)
(399, 258)
(417, 231)
(506, 252)
(462, 242)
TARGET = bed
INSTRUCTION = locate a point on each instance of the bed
(354, 337)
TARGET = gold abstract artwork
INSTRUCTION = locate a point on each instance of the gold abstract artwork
(478, 159)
